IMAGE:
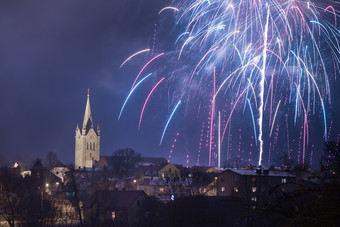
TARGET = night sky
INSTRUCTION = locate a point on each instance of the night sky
(52, 51)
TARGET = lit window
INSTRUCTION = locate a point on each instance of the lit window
(113, 215)
(253, 199)
(235, 189)
(205, 190)
(253, 189)
(161, 189)
(284, 181)
(223, 189)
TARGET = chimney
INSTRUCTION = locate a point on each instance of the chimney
(258, 170)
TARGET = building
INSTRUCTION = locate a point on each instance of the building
(250, 183)
(87, 141)
(151, 161)
(118, 208)
(165, 170)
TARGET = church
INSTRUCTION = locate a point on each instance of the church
(87, 141)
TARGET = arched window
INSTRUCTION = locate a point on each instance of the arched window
(87, 147)
(90, 146)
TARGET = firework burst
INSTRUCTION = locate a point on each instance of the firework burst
(274, 57)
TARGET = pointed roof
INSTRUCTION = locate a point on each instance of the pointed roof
(87, 123)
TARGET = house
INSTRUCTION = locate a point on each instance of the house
(151, 161)
(210, 189)
(115, 207)
(105, 161)
(166, 170)
(252, 183)
(60, 170)
(205, 169)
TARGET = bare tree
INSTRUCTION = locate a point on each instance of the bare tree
(9, 200)
(124, 162)
(51, 159)
(75, 189)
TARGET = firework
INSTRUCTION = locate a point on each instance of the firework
(261, 54)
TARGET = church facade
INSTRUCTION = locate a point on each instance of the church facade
(87, 141)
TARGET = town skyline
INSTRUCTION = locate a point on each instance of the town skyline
(52, 53)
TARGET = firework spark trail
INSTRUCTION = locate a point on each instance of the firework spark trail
(263, 72)
(232, 111)
(167, 123)
(146, 101)
(140, 72)
(135, 54)
(252, 116)
(167, 8)
(305, 127)
(212, 118)
(133, 89)
(277, 108)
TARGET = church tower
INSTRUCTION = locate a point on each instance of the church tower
(87, 140)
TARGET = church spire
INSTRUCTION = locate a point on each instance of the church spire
(87, 123)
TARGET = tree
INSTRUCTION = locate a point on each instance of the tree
(74, 187)
(51, 159)
(286, 162)
(316, 200)
(125, 161)
(332, 158)
(9, 200)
